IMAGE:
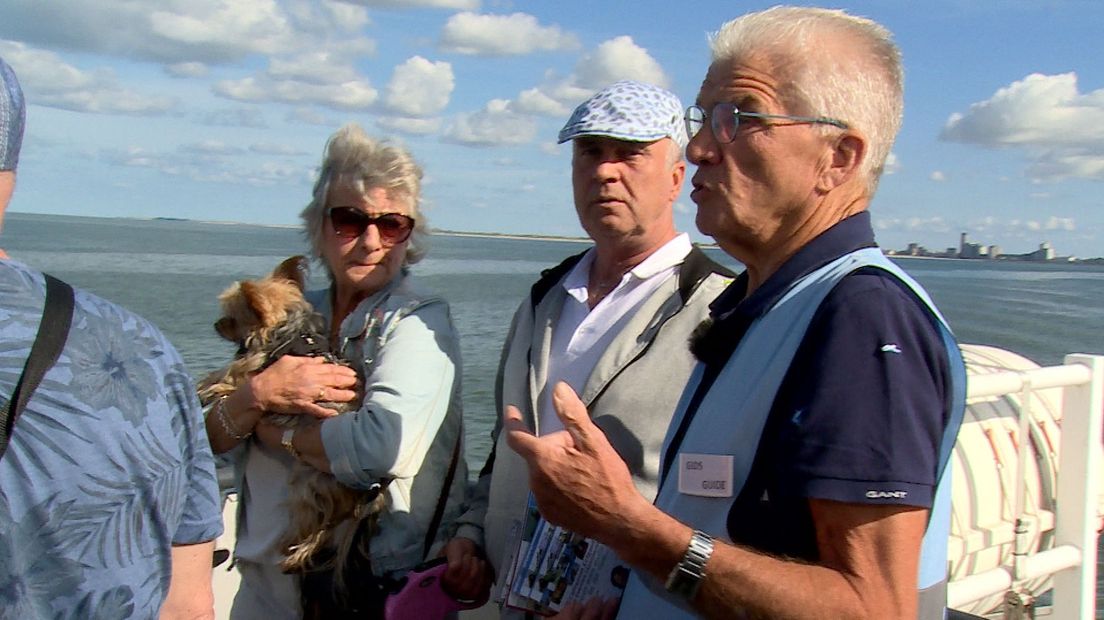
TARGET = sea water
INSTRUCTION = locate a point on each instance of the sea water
(171, 272)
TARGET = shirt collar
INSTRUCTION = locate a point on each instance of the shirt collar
(670, 254)
(849, 235)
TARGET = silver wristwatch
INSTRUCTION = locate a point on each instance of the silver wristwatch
(686, 577)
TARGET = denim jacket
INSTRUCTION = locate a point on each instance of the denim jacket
(408, 352)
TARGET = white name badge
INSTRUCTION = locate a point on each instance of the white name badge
(705, 475)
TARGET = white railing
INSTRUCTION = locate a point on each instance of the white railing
(1072, 558)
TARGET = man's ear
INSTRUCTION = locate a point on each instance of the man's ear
(678, 174)
(847, 154)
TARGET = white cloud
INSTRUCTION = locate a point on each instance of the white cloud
(613, 60)
(187, 69)
(937, 176)
(1060, 164)
(1060, 129)
(503, 35)
(271, 148)
(415, 126)
(319, 67)
(913, 224)
(310, 116)
(618, 59)
(236, 117)
(357, 95)
(535, 101)
(420, 87)
(892, 164)
(208, 31)
(48, 81)
(997, 225)
(1060, 223)
(461, 5)
(209, 162)
(494, 125)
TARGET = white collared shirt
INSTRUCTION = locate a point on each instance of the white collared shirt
(582, 334)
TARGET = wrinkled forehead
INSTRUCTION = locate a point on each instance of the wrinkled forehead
(756, 76)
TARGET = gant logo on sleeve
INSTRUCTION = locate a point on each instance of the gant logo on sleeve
(873, 494)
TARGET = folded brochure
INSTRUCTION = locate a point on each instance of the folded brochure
(553, 566)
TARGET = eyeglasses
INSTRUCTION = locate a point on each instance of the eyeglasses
(351, 222)
(725, 120)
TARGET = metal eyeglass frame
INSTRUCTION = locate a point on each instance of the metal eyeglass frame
(718, 114)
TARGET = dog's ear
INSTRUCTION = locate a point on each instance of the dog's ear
(264, 307)
(295, 269)
(227, 328)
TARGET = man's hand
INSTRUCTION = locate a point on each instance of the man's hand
(468, 576)
(577, 478)
(594, 609)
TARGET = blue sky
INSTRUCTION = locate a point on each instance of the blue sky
(218, 109)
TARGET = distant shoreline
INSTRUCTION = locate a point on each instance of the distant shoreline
(519, 236)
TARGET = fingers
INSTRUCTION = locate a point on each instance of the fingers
(518, 436)
(466, 577)
(316, 410)
(573, 413)
(336, 395)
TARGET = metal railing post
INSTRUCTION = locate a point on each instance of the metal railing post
(1078, 484)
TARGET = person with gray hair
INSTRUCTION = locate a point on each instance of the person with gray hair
(805, 472)
(612, 321)
(109, 505)
(364, 223)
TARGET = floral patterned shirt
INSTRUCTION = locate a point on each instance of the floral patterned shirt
(108, 465)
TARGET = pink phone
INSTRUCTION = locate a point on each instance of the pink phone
(421, 597)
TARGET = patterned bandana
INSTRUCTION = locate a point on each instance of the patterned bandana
(11, 117)
(629, 110)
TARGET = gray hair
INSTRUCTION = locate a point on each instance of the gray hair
(354, 159)
(863, 86)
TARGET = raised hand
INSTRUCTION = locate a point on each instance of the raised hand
(577, 478)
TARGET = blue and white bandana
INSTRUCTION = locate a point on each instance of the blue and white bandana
(11, 117)
(629, 110)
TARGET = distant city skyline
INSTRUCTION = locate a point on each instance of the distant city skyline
(970, 250)
(218, 110)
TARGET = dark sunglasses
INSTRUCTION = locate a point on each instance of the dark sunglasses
(351, 222)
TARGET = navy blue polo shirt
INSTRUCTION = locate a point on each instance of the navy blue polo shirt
(860, 414)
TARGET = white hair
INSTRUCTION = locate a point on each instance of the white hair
(840, 66)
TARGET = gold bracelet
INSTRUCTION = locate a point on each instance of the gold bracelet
(228, 425)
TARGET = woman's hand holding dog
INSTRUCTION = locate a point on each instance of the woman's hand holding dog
(295, 385)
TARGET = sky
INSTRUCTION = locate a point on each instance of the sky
(219, 109)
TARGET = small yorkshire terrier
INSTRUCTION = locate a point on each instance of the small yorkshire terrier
(268, 318)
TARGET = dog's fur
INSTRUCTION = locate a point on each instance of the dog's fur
(267, 318)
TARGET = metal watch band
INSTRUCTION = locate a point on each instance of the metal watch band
(686, 577)
(286, 441)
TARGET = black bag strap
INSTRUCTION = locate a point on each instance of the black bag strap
(439, 512)
(52, 332)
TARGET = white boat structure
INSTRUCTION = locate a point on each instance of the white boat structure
(1028, 486)
(1028, 474)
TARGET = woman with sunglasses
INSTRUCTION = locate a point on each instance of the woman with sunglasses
(364, 224)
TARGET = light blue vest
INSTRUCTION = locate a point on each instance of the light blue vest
(730, 421)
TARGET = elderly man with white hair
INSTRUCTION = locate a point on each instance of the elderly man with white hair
(804, 473)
